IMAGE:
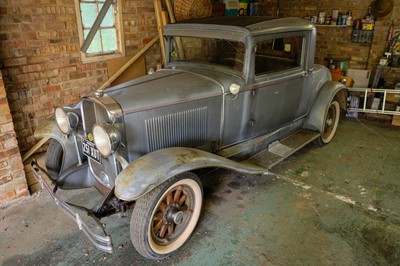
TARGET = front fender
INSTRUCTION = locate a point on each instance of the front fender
(152, 169)
(49, 129)
(316, 116)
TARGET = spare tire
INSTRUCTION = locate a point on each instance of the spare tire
(54, 159)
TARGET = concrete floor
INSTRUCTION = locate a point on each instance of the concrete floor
(336, 205)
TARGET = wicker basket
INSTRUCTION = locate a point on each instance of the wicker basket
(190, 9)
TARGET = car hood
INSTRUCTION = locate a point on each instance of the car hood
(165, 87)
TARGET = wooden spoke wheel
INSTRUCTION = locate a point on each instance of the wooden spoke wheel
(331, 122)
(164, 218)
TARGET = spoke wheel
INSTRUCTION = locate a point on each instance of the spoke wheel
(164, 218)
(331, 122)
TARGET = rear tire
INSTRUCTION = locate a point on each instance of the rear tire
(54, 159)
(163, 219)
(331, 120)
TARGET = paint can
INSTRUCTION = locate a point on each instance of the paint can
(252, 9)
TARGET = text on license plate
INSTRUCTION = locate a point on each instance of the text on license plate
(89, 149)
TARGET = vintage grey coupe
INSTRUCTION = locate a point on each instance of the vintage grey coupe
(241, 93)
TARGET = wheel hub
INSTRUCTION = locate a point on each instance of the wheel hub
(173, 214)
(329, 122)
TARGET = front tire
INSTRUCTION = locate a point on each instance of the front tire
(163, 219)
(331, 121)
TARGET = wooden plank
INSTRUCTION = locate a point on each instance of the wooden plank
(158, 10)
(178, 40)
(135, 70)
(131, 61)
(34, 148)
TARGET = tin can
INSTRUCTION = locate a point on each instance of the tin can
(344, 20)
(252, 9)
(314, 19)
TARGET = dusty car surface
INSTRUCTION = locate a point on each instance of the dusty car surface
(241, 93)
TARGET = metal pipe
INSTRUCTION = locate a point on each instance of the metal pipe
(77, 150)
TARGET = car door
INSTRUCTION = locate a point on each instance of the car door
(279, 82)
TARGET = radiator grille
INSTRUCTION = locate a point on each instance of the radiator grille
(94, 113)
(187, 129)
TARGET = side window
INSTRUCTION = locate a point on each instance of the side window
(279, 54)
(108, 41)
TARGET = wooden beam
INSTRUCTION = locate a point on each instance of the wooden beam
(178, 41)
(34, 148)
(127, 64)
(158, 10)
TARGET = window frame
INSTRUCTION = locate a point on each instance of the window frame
(278, 73)
(88, 58)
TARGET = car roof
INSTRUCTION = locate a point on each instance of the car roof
(247, 25)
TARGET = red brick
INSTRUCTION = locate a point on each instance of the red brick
(22, 195)
(46, 34)
(10, 194)
(32, 68)
(57, 25)
(36, 43)
(15, 62)
(16, 163)
(8, 127)
(3, 164)
(4, 36)
(21, 190)
(43, 18)
(5, 179)
(3, 101)
(9, 152)
(5, 118)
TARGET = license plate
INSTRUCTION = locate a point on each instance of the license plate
(89, 149)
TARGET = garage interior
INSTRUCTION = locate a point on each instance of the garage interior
(338, 204)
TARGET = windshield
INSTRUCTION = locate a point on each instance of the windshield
(226, 53)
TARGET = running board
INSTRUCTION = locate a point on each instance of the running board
(280, 150)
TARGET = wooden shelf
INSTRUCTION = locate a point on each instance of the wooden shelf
(323, 25)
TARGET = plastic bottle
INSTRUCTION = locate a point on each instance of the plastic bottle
(349, 18)
(369, 15)
(391, 31)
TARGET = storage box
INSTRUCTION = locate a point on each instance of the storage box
(231, 12)
(349, 81)
(218, 10)
(362, 36)
(396, 118)
(393, 97)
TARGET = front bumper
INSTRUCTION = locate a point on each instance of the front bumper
(102, 242)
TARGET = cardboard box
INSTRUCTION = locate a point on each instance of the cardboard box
(396, 118)
(396, 121)
(393, 97)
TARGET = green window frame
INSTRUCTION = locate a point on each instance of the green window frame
(108, 40)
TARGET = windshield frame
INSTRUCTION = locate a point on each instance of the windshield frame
(223, 61)
(229, 33)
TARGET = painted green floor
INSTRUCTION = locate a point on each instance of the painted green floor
(335, 205)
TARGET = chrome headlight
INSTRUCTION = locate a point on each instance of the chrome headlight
(107, 138)
(66, 121)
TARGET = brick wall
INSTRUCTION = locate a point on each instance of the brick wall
(41, 62)
(12, 176)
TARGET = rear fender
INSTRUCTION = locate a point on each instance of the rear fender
(50, 130)
(316, 116)
(152, 169)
